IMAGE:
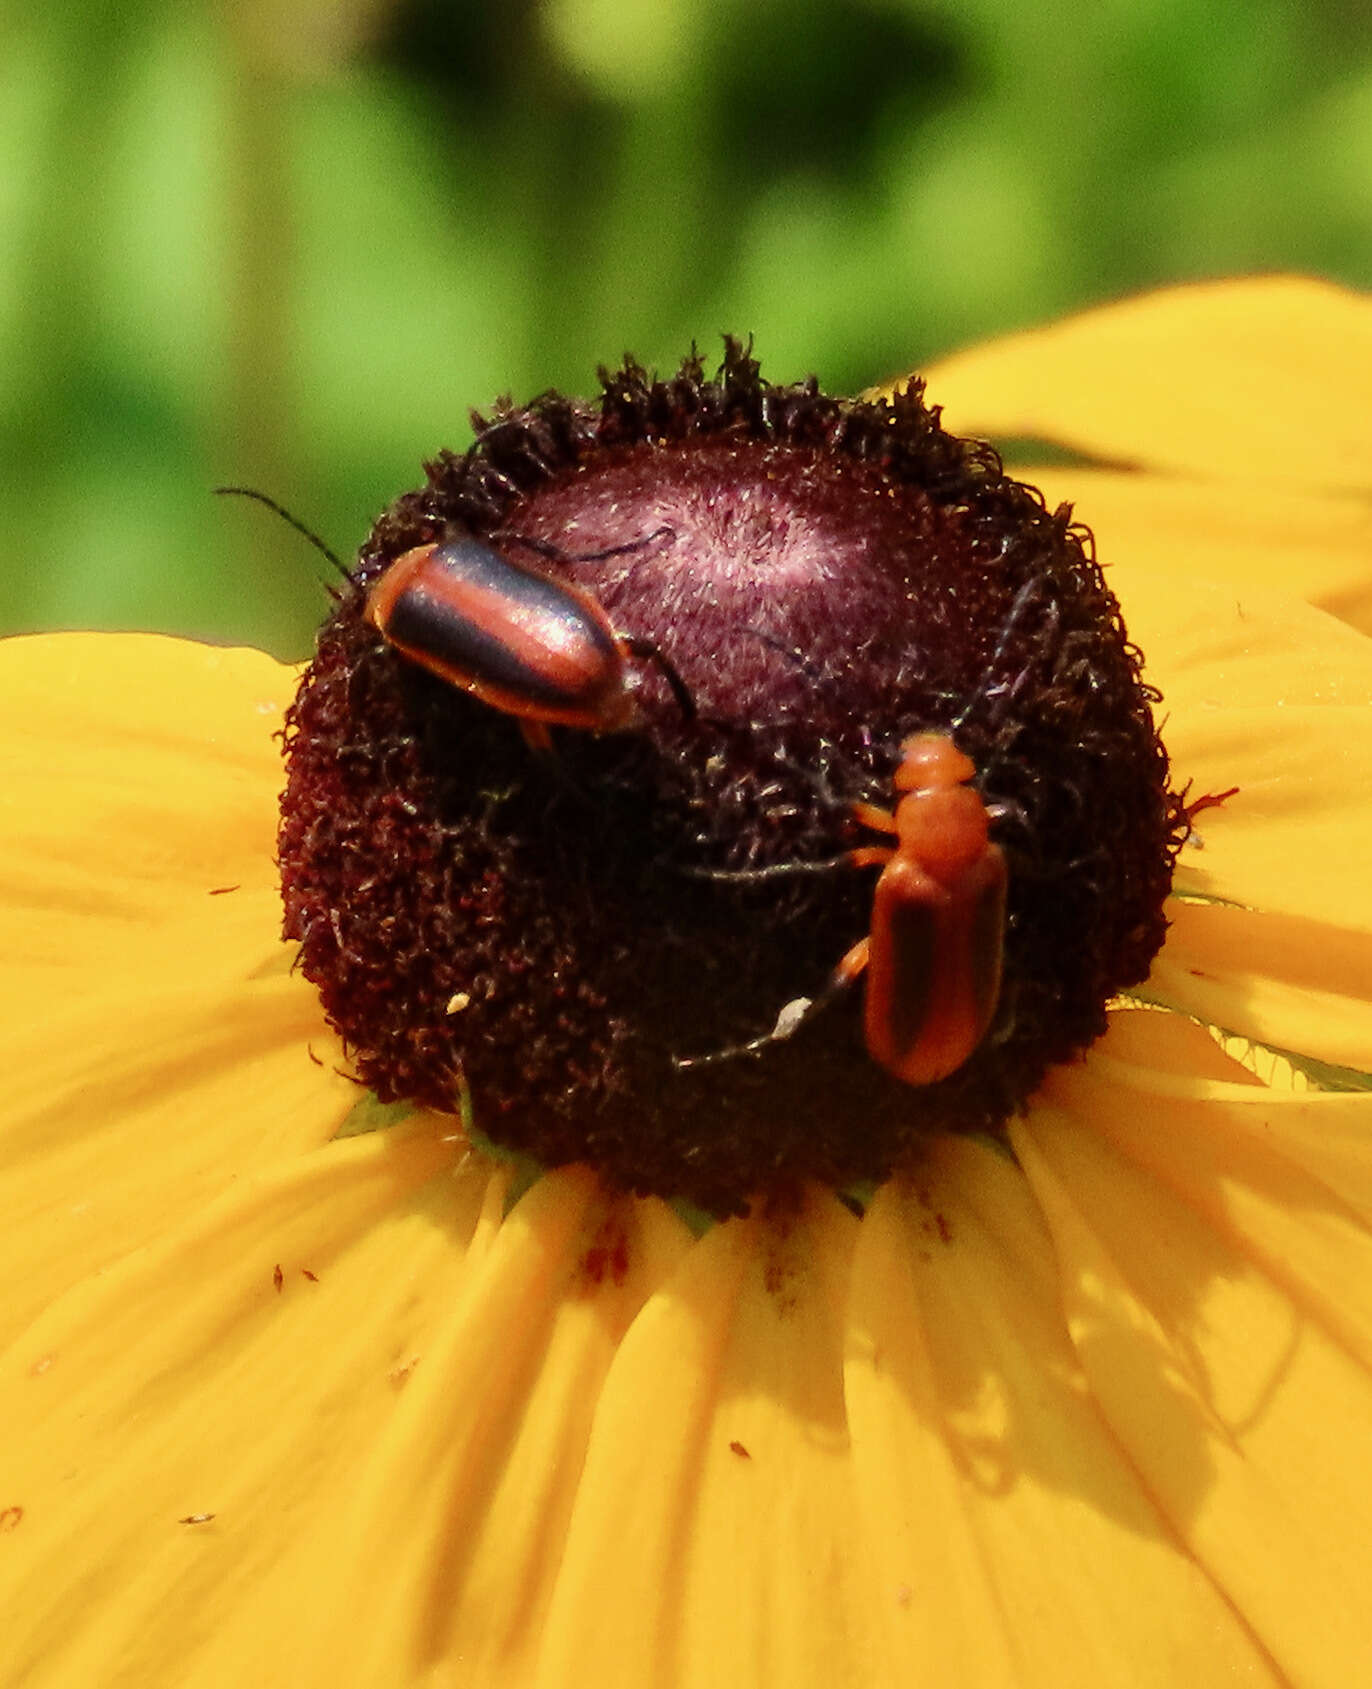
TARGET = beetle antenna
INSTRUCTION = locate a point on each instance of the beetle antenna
(1027, 595)
(795, 655)
(295, 522)
(557, 554)
(769, 871)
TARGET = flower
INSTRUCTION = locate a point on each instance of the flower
(288, 1401)
(820, 581)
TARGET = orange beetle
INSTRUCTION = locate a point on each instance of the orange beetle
(932, 958)
(932, 954)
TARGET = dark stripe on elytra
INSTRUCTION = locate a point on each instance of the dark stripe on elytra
(988, 943)
(913, 939)
(462, 621)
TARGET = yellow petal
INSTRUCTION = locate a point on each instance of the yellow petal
(1261, 380)
(1012, 1542)
(1249, 537)
(141, 789)
(1293, 984)
(473, 1483)
(1151, 1037)
(184, 1382)
(1292, 840)
(1217, 1275)
(1212, 645)
(321, 1413)
(125, 1113)
(714, 1537)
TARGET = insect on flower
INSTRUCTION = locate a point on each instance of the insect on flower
(517, 638)
(932, 956)
(512, 635)
(429, 868)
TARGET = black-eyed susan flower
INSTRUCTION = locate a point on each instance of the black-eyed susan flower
(590, 942)
(1080, 1399)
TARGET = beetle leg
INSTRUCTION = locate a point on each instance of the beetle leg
(647, 652)
(553, 764)
(848, 972)
(793, 1015)
(878, 819)
(871, 856)
(1007, 810)
(536, 736)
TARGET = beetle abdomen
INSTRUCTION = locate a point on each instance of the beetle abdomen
(933, 978)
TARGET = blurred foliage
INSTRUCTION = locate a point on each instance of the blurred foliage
(290, 244)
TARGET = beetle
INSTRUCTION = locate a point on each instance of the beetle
(525, 642)
(529, 644)
(932, 955)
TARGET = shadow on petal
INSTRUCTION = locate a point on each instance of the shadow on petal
(1215, 1278)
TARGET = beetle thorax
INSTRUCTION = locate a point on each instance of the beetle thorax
(943, 827)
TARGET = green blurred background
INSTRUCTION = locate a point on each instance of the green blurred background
(290, 244)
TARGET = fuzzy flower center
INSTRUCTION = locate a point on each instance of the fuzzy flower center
(681, 939)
